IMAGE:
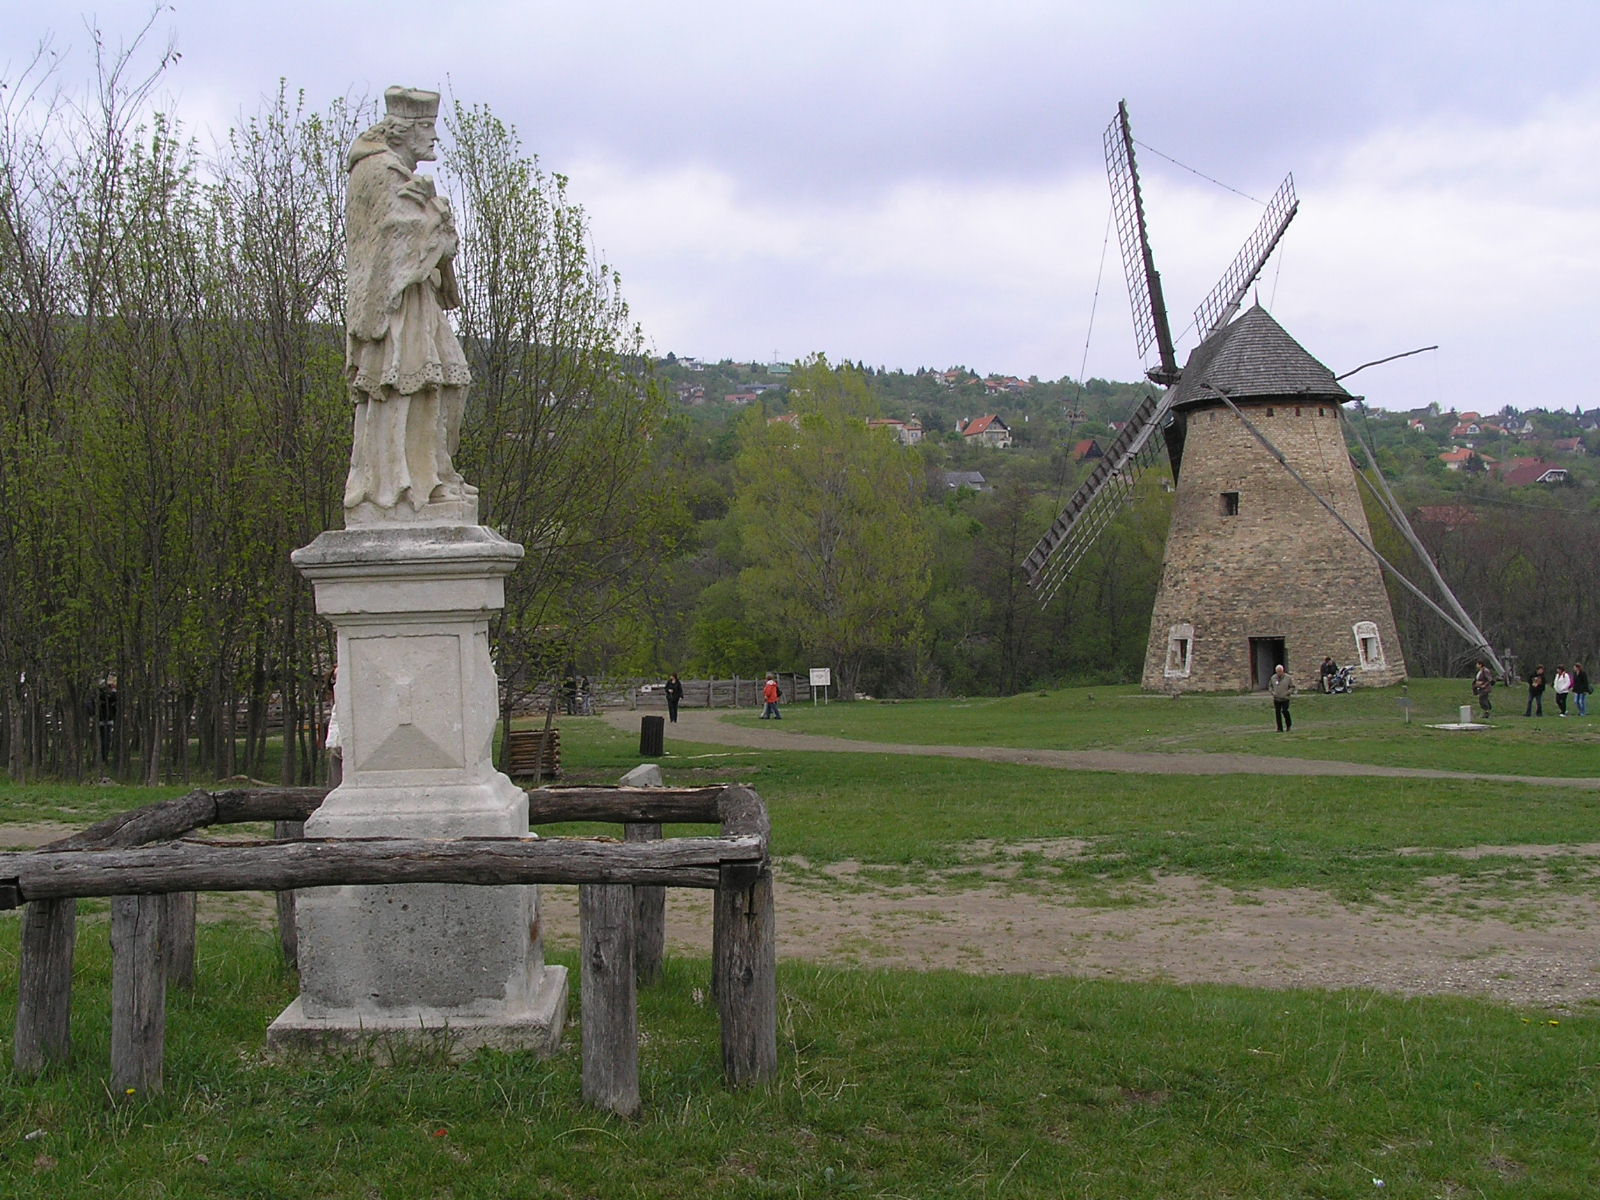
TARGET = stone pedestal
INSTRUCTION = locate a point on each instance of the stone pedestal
(441, 964)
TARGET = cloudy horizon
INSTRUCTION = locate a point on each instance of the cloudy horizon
(923, 185)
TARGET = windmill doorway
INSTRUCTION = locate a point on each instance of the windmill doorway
(1265, 654)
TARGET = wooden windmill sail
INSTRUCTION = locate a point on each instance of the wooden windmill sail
(1261, 566)
(1101, 496)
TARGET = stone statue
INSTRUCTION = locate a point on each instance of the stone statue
(407, 374)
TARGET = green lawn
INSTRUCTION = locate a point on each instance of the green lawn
(1357, 838)
(892, 1084)
(1366, 726)
(905, 1084)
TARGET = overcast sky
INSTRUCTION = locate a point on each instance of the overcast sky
(923, 184)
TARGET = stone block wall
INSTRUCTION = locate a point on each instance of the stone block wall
(1256, 568)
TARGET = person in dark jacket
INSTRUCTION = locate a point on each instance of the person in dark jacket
(674, 694)
(1536, 693)
(1581, 689)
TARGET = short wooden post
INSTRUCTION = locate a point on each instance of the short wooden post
(44, 985)
(649, 913)
(609, 1014)
(744, 974)
(288, 939)
(138, 994)
(178, 939)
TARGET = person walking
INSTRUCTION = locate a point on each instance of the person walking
(674, 691)
(1281, 686)
(1536, 693)
(771, 694)
(1581, 689)
(1563, 685)
(1482, 687)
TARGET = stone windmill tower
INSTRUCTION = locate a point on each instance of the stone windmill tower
(1269, 557)
(1261, 566)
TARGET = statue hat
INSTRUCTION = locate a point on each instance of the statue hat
(411, 102)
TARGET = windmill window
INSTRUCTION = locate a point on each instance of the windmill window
(1368, 645)
(1269, 412)
(1180, 647)
(1297, 410)
(1230, 504)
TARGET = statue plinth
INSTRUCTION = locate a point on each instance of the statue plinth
(446, 964)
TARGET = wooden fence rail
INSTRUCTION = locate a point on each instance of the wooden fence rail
(153, 878)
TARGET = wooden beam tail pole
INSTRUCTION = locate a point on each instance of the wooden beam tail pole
(44, 986)
(138, 995)
(745, 976)
(1337, 516)
(1465, 625)
(288, 931)
(334, 862)
(178, 941)
(609, 1009)
(649, 913)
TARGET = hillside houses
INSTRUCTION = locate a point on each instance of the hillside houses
(907, 432)
(1520, 472)
(988, 430)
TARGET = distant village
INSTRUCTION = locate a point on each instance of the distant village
(1514, 447)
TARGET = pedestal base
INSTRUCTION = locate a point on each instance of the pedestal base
(389, 1038)
(452, 966)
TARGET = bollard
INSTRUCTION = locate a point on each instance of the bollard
(1466, 714)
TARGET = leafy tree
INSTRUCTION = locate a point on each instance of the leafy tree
(563, 412)
(835, 542)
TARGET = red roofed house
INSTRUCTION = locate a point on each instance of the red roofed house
(987, 430)
(1520, 472)
(1464, 456)
(1088, 448)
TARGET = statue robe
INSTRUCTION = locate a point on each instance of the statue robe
(406, 370)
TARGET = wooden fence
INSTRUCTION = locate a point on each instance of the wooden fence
(722, 693)
(152, 878)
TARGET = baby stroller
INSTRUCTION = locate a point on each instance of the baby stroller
(1342, 681)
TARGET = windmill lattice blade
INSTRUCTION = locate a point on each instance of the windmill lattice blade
(1138, 265)
(1217, 309)
(1097, 501)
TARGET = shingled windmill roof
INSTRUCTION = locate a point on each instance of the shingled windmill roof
(1254, 358)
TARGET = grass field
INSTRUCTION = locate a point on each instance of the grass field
(1387, 726)
(910, 1084)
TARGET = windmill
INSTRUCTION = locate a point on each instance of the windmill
(1268, 559)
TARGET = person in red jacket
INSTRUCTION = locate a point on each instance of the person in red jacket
(771, 695)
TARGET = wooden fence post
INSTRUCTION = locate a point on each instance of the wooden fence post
(649, 913)
(44, 985)
(138, 994)
(177, 940)
(609, 1015)
(288, 938)
(744, 974)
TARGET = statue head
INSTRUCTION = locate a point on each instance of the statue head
(408, 125)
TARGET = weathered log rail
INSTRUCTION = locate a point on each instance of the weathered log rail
(144, 861)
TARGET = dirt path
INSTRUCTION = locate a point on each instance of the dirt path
(1179, 930)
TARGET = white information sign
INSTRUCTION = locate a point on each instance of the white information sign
(821, 676)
